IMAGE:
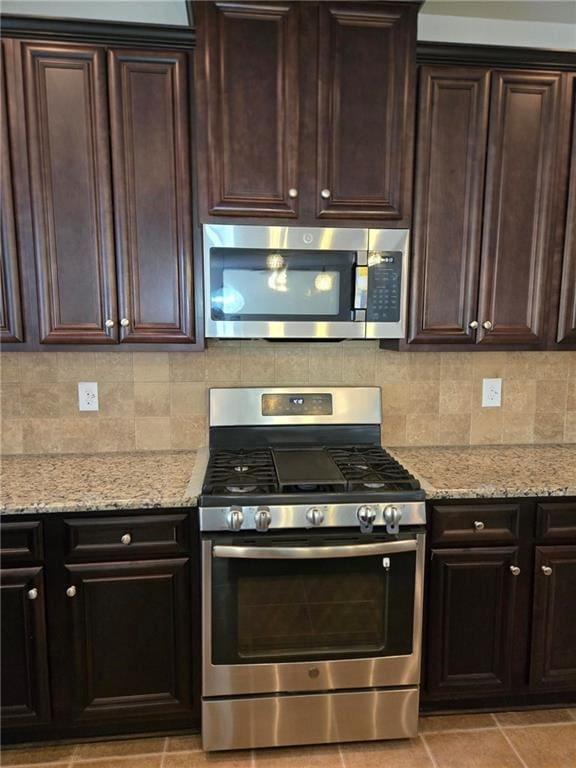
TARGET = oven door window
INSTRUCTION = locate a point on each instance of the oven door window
(298, 610)
(281, 285)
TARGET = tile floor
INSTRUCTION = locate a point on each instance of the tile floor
(535, 739)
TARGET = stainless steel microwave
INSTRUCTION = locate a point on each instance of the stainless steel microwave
(304, 283)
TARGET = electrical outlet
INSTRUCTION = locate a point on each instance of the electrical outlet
(491, 393)
(88, 395)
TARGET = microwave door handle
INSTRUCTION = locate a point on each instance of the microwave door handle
(360, 287)
(314, 553)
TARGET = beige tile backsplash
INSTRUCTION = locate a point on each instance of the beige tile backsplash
(151, 401)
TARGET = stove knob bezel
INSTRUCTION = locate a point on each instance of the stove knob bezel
(366, 514)
(235, 518)
(262, 519)
(315, 516)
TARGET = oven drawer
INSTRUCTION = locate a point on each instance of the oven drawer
(475, 524)
(556, 520)
(127, 537)
(21, 542)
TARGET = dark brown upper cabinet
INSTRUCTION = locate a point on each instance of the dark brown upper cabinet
(68, 135)
(11, 328)
(286, 88)
(151, 166)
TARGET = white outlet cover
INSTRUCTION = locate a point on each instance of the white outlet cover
(88, 396)
(491, 393)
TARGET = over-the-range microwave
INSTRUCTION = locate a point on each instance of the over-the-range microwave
(304, 283)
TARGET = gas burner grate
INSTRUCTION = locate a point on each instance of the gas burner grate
(238, 471)
(371, 467)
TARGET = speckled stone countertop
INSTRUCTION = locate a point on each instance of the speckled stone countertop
(492, 471)
(80, 482)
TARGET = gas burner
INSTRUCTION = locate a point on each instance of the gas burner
(240, 488)
(241, 468)
(373, 486)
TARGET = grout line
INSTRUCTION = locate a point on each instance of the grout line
(461, 730)
(511, 745)
(422, 738)
(537, 725)
(341, 755)
(164, 752)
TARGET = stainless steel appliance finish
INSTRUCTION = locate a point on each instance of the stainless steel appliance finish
(375, 261)
(321, 718)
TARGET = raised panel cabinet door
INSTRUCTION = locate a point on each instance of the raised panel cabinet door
(68, 147)
(129, 640)
(248, 107)
(24, 658)
(367, 59)
(517, 246)
(553, 662)
(567, 316)
(151, 137)
(472, 594)
(11, 327)
(452, 126)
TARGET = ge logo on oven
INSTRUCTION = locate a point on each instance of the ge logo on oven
(308, 238)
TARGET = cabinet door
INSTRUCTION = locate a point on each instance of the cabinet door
(68, 146)
(567, 317)
(553, 663)
(25, 692)
(449, 186)
(129, 640)
(10, 298)
(151, 164)
(367, 56)
(518, 214)
(471, 620)
(248, 113)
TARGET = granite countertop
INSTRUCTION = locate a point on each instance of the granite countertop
(80, 482)
(492, 471)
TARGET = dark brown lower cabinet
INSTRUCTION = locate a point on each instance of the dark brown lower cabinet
(553, 663)
(471, 605)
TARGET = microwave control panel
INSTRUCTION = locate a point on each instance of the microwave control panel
(384, 286)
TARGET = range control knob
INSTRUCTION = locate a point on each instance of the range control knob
(235, 518)
(262, 519)
(366, 515)
(315, 516)
(392, 515)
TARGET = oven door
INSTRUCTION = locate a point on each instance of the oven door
(280, 282)
(290, 616)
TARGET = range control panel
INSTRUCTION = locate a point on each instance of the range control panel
(384, 286)
(316, 404)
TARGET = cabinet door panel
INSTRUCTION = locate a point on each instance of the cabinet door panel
(567, 317)
(520, 191)
(25, 692)
(471, 620)
(11, 328)
(151, 164)
(248, 85)
(130, 640)
(71, 191)
(554, 629)
(365, 108)
(449, 180)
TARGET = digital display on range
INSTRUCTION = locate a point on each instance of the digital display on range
(297, 405)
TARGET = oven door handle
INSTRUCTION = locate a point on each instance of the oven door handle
(314, 553)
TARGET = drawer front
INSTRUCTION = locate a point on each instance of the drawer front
(556, 520)
(475, 524)
(21, 542)
(127, 537)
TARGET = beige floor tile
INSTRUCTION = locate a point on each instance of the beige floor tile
(298, 757)
(186, 743)
(552, 746)
(399, 753)
(236, 759)
(480, 749)
(572, 712)
(121, 748)
(533, 717)
(37, 755)
(128, 761)
(435, 723)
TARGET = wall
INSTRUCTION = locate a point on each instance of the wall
(158, 401)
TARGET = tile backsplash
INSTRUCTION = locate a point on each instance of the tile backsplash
(154, 401)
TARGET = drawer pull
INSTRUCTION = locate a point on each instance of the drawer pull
(32, 593)
(546, 570)
(126, 539)
(71, 591)
(514, 570)
(479, 525)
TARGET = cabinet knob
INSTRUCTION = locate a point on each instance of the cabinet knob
(325, 194)
(474, 324)
(126, 539)
(71, 591)
(32, 593)
(546, 570)
(479, 525)
(487, 325)
(292, 192)
(514, 570)
(124, 322)
(109, 323)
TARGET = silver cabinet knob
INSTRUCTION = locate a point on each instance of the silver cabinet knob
(487, 325)
(109, 323)
(315, 516)
(325, 194)
(71, 591)
(546, 570)
(126, 539)
(124, 322)
(479, 525)
(474, 324)
(32, 593)
(235, 518)
(514, 570)
(292, 192)
(262, 519)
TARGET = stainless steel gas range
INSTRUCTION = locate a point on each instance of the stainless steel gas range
(312, 568)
